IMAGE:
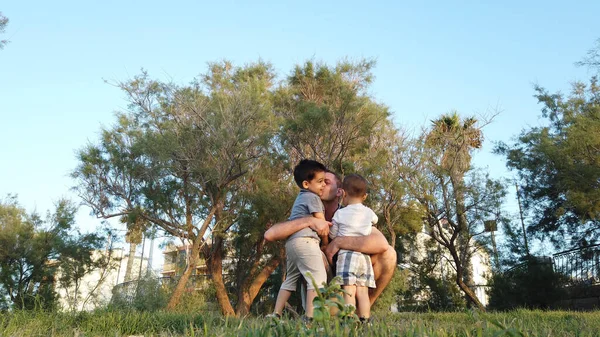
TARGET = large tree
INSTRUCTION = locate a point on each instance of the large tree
(456, 199)
(268, 195)
(400, 214)
(211, 162)
(84, 269)
(328, 114)
(558, 166)
(31, 250)
(175, 160)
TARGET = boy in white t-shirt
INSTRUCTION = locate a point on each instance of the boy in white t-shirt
(354, 268)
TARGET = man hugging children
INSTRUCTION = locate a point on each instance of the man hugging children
(303, 248)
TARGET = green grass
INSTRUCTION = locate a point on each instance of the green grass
(115, 323)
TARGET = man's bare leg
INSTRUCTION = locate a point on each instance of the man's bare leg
(384, 265)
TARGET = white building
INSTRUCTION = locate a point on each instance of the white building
(480, 263)
(95, 289)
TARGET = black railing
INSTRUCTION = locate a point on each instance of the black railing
(529, 262)
(581, 266)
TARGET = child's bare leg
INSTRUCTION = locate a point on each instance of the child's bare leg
(282, 297)
(364, 304)
(310, 296)
(349, 295)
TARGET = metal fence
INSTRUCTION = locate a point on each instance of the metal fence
(581, 266)
(127, 291)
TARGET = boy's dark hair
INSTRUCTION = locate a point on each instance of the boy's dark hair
(355, 185)
(306, 170)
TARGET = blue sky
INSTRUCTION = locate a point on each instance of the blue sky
(432, 57)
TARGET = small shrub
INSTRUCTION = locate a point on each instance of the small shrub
(431, 293)
(330, 299)
(392, 293)
(199, 300)
(534, 285)
(146, 294)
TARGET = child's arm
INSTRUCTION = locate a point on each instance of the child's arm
(283, 230)
(319, 215)
(374, 218)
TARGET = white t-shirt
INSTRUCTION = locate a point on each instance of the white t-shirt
(352, 220)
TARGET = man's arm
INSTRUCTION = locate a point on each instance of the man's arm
(282, 230)
(375, 243)
(324, 237)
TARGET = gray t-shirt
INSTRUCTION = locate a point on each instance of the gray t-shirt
(306, 204)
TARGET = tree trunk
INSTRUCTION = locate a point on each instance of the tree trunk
(193, 259)
(463, 228)
(181, 284)
(130, 260)
(390, 226)
(248, 292)
(215, 266)
(469, 294)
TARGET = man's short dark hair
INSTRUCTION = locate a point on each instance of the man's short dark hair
(338, 180)
(306, 170)
(355, 185)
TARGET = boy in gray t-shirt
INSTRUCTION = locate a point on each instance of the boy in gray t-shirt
(303, 247)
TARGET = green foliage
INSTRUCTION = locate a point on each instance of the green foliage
(211, 161)
(457, 324)
(512, 250)
(20, 264)
(177, 158)
(592, 59)
(146, 294)
(429, 288)
(331, 299)
(443, 295)
(78, 256)
(455, 198)
(199, 300)
(268, 195)
(533, 284)
(455, 139)
(400, 214)
(327, 114)
(32, 250)
(150, 294)
(558, 166)
(391, 295)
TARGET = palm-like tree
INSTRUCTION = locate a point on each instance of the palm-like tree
(133, 238)
(454, 140)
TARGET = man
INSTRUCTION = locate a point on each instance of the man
(383, 256)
